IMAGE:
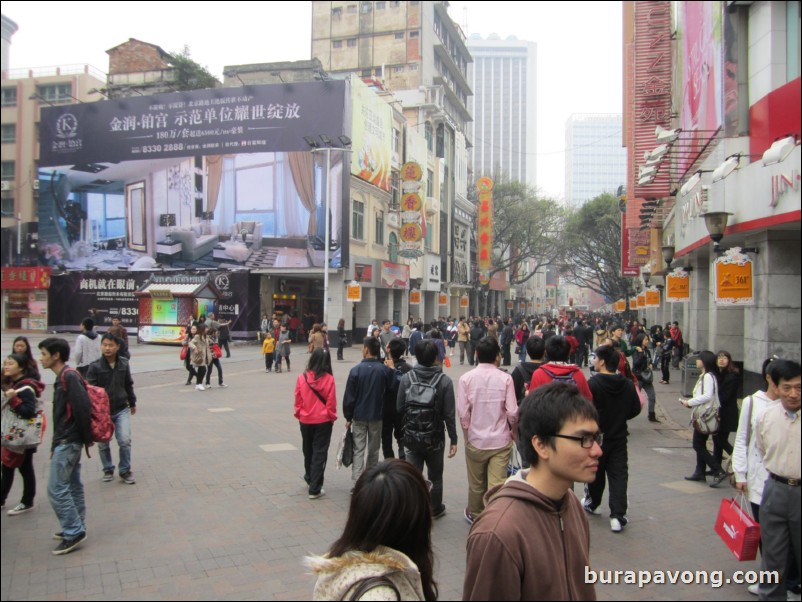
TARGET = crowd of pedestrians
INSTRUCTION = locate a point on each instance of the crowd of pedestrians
(565, 427)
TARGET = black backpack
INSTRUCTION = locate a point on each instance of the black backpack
(560, 378)
(423, 427)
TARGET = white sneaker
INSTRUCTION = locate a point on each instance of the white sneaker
(200, 387)
(586, 506)
(616, 526)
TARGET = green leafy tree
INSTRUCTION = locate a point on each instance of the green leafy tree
(593, 248)
(189, 75)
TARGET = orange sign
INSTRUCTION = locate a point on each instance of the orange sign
(734, 279)
(642, 301)
(653, 298)
(411, 171)
(414, 297)
(463, 301)
(354, 292)
(510, 304)
(633, 303)
(484, 220)
(678, 286)
(620, 306)
(442, 299)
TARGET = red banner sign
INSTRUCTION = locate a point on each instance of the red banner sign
(484, 221)
(26, 278)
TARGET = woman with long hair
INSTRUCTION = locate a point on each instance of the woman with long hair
(191, 332)
(22, 347)
(386, 547)
(22, 390)
(316, 410)
(521, 337)
(342, 340)
(201, 354)
(642, 367)
(315, 338)
(704, 392)
(728, 382)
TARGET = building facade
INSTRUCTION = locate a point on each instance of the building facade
(503, 77)
(595, 158)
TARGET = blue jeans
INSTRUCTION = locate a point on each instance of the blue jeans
(65, 490)
(122, 432)
(434, 462)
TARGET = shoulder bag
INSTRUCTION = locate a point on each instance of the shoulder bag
(365, 585)
(705, 418)
(315, 391)
(20, 433)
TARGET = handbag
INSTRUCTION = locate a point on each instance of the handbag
(737, 529)
(184, 352)
(447, 362)
(22, 433)
(345, 449)
(218, 353)
(705, 418)
(514, 465)
(646, 377)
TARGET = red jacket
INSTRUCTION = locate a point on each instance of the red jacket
(573, 342)
(541, 377)
(309, 409)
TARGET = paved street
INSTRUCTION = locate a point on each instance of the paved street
(220, 510)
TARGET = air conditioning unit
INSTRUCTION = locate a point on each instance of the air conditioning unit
(6, 185)
(36, 184)
(432, 205)
(392, 220)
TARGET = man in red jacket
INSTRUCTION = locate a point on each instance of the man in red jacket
(558, 369)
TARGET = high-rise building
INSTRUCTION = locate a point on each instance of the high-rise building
(503, 77)
(595, 160)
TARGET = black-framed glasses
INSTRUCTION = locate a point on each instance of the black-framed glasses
(586, 441)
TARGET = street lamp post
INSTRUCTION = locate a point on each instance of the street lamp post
(316, 148)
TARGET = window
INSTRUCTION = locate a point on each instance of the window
(367, 7)
(55, 92)
(429, 183)
(7, 206)
(352, 43)
(337, 12)
(413, 67)
(351, 8)
(399, 35)
(9, 132)
(108, 213)
(381, 5)
(393, 248)
(337, 44)
(380, 228)
(9, 97)
(427, 243)
(414, 34)
(7, 170)
(395, 4)
(429, 134)
(398, 69)
(358, 220)
(793, 40)
(395, 177)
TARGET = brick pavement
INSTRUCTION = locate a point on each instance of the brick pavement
(214, 515)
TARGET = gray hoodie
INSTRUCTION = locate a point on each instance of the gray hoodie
(87, 348)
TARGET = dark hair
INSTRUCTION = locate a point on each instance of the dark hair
(33, 367)
(764, 370)
(373, 346)
(390, 507)
(319, 363)
(487, 350)
(426, 353)
(638, 340)
(54, 345)
(110, 336)
(731, 368)
(341, 323)
(535, 347)
(615, 327)
(557, 349)
(22, 362)
(783, 370)
(201, 329)
(434, 333)
(708, 361)
(397, 348)
(88, 323)
(609, 356)
(545, 411)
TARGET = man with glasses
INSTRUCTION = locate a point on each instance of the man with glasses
(532, 542)
(617, 401)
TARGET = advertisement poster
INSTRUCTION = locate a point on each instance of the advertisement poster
(484, 220)
(371, 136)
(734, 279)
(225, 172)
(678, 288)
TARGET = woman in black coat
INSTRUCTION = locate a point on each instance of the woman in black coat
(728, 382)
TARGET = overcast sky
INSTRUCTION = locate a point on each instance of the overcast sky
(579, 46)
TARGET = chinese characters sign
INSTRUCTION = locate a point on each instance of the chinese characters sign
(193, 123)
(413, 223)
(485, 228)
(26, 278)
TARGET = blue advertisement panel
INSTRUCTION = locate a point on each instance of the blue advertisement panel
(217, 178)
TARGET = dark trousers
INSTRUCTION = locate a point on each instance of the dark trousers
(190, 368)
(316, 439)
(582, 355)
(224, 345)
(704, 457)
(200, 372)
(506, 357)
(268, 361)
(391, 421)
(613, 466)
(215, 362)
(665, 364)
(28, 479)
(721, 444)
(434, 463)
(340, 349)
(781, 535)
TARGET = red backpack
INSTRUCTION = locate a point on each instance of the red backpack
(101, 423)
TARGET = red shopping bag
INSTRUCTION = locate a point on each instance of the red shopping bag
(737, 529)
